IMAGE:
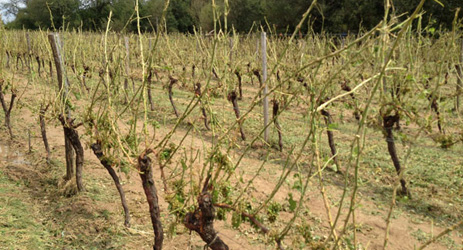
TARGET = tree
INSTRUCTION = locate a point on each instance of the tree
(180, 12)
(333, 16)
(285, 15)
(243, 13)
(123, 11)
(95, 13)
(40, 14)
(205, 17)
(153, 10)
(437, 15)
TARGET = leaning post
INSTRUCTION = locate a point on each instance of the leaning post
(264, 81)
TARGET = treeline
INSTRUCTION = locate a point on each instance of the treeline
(334, 16)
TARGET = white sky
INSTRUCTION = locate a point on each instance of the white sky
(5, 18)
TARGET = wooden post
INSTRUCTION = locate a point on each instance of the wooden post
(29, 56)
(7, 59)
(29, 140)
(63, 85)
(459, 68)
(257, 49)
(342, 46)
(264, 80)
(43, 130)
(157, 24)
(230, 55)
(127, 62)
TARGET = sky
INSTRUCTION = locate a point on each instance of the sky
(4, 17)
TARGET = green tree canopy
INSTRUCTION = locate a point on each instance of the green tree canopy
(185, 15)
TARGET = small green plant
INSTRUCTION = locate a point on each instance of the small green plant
(445, 141)
(292, 204)
(273, 209)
